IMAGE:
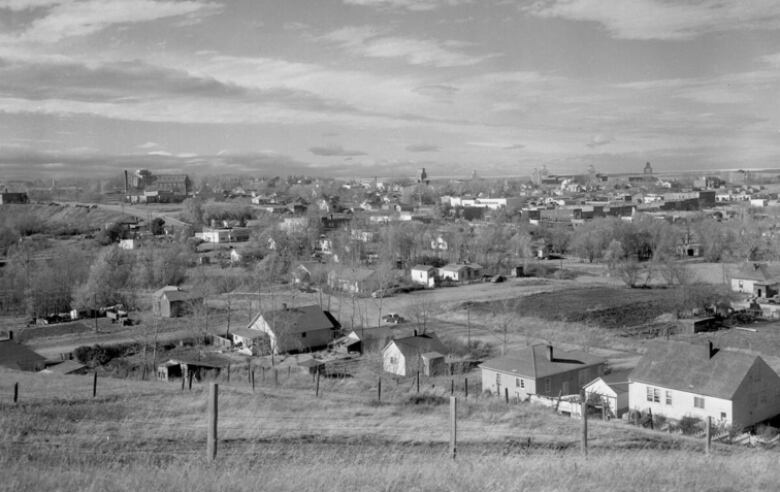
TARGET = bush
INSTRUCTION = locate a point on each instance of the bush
(99, 355)
(690, 425)
(422, 399)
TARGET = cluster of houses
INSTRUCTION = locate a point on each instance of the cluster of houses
(672, 379)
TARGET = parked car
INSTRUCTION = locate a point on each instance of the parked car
(393, 319)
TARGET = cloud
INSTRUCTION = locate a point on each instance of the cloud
(413, 5)
(422, 147)
(21, 5)
(149, 145)
(371, 42)
(665, 20)
(334, 150)
(66, 19)
(599, 140)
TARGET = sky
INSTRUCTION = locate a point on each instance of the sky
(385, 87)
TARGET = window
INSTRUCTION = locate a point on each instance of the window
(668, 397)
(698, 402)
(393, 360)
(723, 415)
(653, 394)
(303, 334)
(522, 383)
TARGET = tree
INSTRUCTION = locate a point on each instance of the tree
(108, 281)
(193, 211)
(156, 226)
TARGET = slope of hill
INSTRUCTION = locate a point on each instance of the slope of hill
(151, 436)
(58, 219)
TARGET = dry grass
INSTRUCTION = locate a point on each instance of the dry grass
(151, 436)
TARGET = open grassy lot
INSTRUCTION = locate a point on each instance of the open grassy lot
(151, 436)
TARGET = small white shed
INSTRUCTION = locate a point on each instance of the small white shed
(610, 389)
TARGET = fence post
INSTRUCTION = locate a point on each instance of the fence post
(584, 410)
(708, 449)
(506, 395)
(228, 373)
(289, 369)
(453, 425)
(418, 381)
(650, 414)
(189, 376)
(452, 387)
(466, 386)
(379, 390)
(16, 392)
(317, 385)
(94, 385)
(276, 377)
(182, 382)
(252, 376)
(211, 444)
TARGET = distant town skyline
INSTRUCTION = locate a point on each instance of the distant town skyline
(386, 87)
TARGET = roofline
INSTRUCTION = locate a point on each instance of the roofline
(688, 390)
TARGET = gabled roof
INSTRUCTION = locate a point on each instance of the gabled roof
(617, 380)
(453, 267)
(417, 345)
(17, 356)
(298, 319)
(759, 272)
(688, 367)
(533, 362)
(424, 268)
(173, 294)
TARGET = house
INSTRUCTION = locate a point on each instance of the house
(541, 370)
(461, 272)
(404, 356)
(224, 235)
(610, 390)
(17, 356)
(172, 302)
(677, 379)
(129, 244)
(360, 281)
(424, 275)
(757, 279)
(296, 329)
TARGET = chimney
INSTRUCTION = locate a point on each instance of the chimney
(550, 353)
(127, 187)
(415, 332)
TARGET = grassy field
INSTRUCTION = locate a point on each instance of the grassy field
(151, 436)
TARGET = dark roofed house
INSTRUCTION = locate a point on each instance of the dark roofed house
(172, 302)
(296, 329)
(541, 370)
(18, 198)
(757, 279)
(204, 366)
(405, 356)
(677, 380)
(17, 356)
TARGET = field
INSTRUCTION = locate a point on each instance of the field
(61, 218)
(151, 436)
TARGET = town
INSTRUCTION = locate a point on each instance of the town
(643, 300)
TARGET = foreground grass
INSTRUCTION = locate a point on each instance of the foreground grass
(151, 436)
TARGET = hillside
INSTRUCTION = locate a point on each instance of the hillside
(59, 219)
(151, 436)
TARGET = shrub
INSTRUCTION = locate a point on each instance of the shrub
(423, 399)
(690, 425)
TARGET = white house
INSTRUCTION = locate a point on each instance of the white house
(424, 275)
(296, 329)
(757, 279)
(612, 390)
(677, 380)
(405, 356)
(460, 272)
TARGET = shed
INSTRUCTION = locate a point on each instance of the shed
(67, 367)
(433, 364)
(173, 302)
(404, 355)
(610, 390)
